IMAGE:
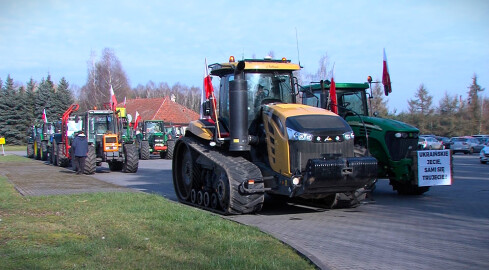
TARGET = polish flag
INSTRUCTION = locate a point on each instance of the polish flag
(44, 117)
(113, 100)
(209, 91)
(332, 95)
(138, 118)
(386, 79)
(124, 102)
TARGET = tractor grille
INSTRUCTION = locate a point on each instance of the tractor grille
(399, 148)
(301, 152)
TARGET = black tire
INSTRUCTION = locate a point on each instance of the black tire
(91, 161)
(131, 160)
(30, 150)
(471, 151)
(483, 162)
(407, 188)
(44, 150)
(170, 148)
(144, 151)
(54, 153)
(62, 159)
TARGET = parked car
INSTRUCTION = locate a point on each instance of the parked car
(484, 154)
(466, 145)
(445, 141)
(429, 143)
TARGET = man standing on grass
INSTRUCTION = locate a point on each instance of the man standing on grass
(80, 150)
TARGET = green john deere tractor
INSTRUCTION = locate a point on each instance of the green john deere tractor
(153, 139)
(392, 143)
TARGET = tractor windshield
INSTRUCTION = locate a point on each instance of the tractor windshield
(101, 124)
(352, 101)
(154, 127)
(262, 88)
(268, 87)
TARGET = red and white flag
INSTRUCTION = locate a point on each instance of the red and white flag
(138, 118)
(386, 79)
(124, 102)
(44, 117)
(332, 96)
(113, 100)
(208, 90)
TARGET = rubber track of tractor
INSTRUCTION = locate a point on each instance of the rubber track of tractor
(238, 170)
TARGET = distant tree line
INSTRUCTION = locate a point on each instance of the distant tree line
(22, 106)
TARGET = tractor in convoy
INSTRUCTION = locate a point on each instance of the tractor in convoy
(38, 140)
(392, 143)
(30, 141)
(104, 130)
(152, 140)
(260, 142)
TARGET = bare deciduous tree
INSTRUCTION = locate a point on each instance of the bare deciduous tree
(101, 76)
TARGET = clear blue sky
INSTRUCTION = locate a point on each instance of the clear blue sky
(438, 43)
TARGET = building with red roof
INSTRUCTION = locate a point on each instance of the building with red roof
(161, 109)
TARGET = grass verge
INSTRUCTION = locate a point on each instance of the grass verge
(128, 231)
(14, 148)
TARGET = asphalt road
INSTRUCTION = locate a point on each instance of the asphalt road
(447, 228)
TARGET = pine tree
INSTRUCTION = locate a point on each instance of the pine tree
(44, 98)
(474, 115)
(11, 117)
(30, 101)
(446, 117)
(62, 100)
(421, 111)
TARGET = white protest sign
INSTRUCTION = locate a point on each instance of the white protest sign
(434, 168)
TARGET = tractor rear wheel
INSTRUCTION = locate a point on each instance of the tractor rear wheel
(131, 160)
(44, 150)
(407, 188)
(169, 149)
(30, 150)
(144, 151)
(90, 161)
(62, 159)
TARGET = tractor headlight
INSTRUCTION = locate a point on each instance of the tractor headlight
(401, 135)
(298, 136)
(348, 135)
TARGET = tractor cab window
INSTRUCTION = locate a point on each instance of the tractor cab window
(311, 98)
(268, 87)
(262, 88)
(153, 127)
(352, 101)
(101, 124)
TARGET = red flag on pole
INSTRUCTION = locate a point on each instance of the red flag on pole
(44, 117)
(113, 100)
(209, 90)
(124, 102)
(138, 118)
(386, 79)
(332, 95)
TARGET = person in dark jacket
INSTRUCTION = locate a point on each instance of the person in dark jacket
(80, 151)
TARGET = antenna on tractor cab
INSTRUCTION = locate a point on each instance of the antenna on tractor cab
(297, 44)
